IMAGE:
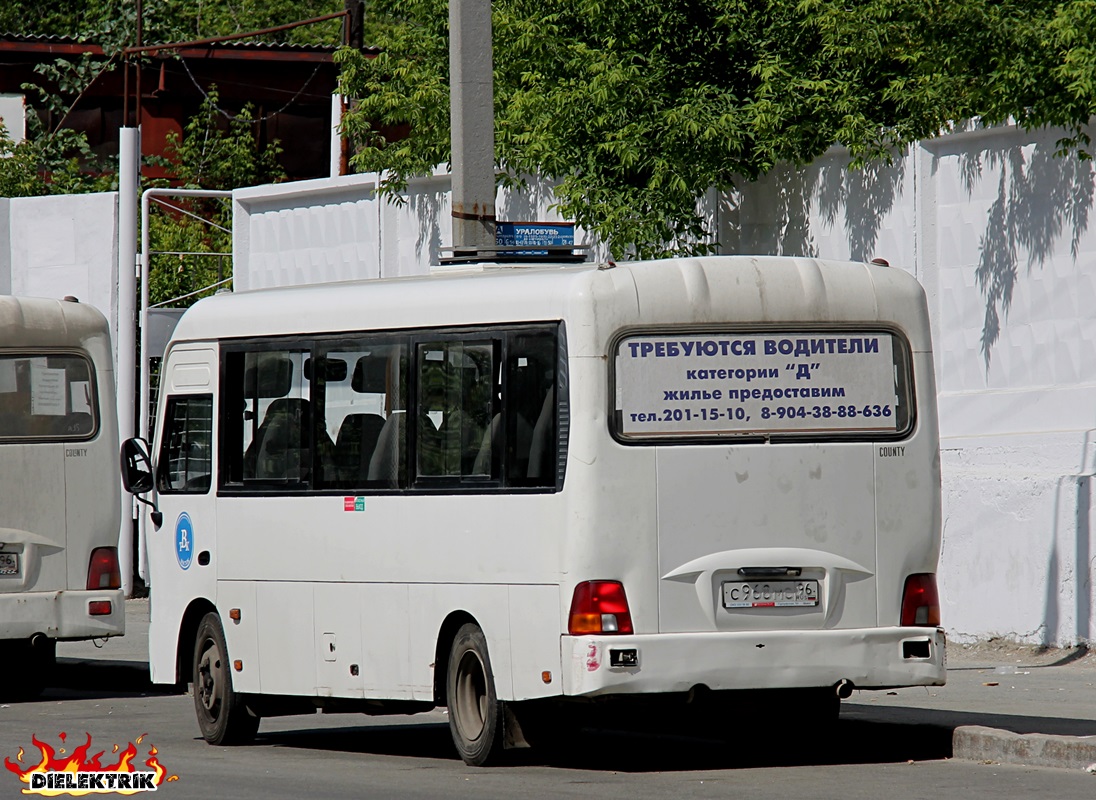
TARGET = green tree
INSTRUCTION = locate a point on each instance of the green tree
(48, 164)
(113, 23)
(215, 151)
(54, 159)
(638, 108)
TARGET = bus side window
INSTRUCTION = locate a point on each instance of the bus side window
(185, 464)
(362, 409)
(454, 408)
(531, 410)
(269, 435)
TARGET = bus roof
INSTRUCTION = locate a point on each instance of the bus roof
(46, 322)
(716, 290)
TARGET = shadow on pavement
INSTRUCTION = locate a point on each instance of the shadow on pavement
(901, 715)
(863, 735)
(102, 678)
(763, 743)
(1073, 655)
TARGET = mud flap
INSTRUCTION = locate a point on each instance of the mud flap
(513, 738)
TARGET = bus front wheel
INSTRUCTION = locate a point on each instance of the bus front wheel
(475, 713)
(222, 717)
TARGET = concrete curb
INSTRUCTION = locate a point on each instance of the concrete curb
(976, 743)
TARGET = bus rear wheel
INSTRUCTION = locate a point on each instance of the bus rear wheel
(222, 716)
(475, 713)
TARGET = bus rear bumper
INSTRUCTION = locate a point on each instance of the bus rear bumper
(870, 658)
(62, 615)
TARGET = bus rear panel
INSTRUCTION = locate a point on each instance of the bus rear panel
(59, 575)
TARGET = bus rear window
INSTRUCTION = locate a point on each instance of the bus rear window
(47, 397)
(794, 385)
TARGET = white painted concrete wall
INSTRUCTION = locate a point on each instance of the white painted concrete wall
(62, 245)
(338, 229)
(13, 114)
(994, 226)
(997, 229)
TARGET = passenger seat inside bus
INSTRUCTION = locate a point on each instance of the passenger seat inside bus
(359, 434)
(281, 443)
(530, 393)
(385, 467)
(543, 446)
(354, 447)
(278, 440)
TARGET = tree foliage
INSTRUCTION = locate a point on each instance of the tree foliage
(61, 156)
(214, 152)
(57, 160)
(638, 108)
(113, 23)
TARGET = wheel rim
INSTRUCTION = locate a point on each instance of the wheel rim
(470, 699)
(209, 679)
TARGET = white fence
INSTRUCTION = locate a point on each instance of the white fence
(338, 229)
(997, 229)
(62, 245)
(992, 223)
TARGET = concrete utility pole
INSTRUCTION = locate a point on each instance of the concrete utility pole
(353, 33)
(129, 186)
(472, 123)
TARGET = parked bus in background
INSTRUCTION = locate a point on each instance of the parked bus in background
(528, 493)
(60, 511)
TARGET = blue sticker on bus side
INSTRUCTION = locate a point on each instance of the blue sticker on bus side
(184, 540)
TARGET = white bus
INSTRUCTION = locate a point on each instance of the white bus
(511, 490)
(60, 509)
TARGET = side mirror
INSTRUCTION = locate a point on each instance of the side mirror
(136, 466)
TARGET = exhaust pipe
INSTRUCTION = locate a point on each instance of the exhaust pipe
(844, 688)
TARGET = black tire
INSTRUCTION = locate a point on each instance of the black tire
(475, 713)
(222, 717)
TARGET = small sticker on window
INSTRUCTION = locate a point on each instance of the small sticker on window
(353, 504)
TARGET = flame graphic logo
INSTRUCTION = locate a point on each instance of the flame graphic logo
(56, 773)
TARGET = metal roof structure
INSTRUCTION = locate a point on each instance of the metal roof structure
(288, 85)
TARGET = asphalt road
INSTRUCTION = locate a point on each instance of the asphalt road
(886, 745)
(412, 757)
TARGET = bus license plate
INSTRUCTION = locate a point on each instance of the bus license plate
(770, 594)
(9, 563)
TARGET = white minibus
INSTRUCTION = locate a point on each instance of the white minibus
(527, 493)
(60, 509)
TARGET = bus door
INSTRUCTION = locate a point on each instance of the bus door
(182, 553)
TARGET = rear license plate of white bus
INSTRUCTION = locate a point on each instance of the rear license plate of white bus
(9, 563)
(770, 594)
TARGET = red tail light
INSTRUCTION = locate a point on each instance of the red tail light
(103, 571)
(599, 607)
(921, 601)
